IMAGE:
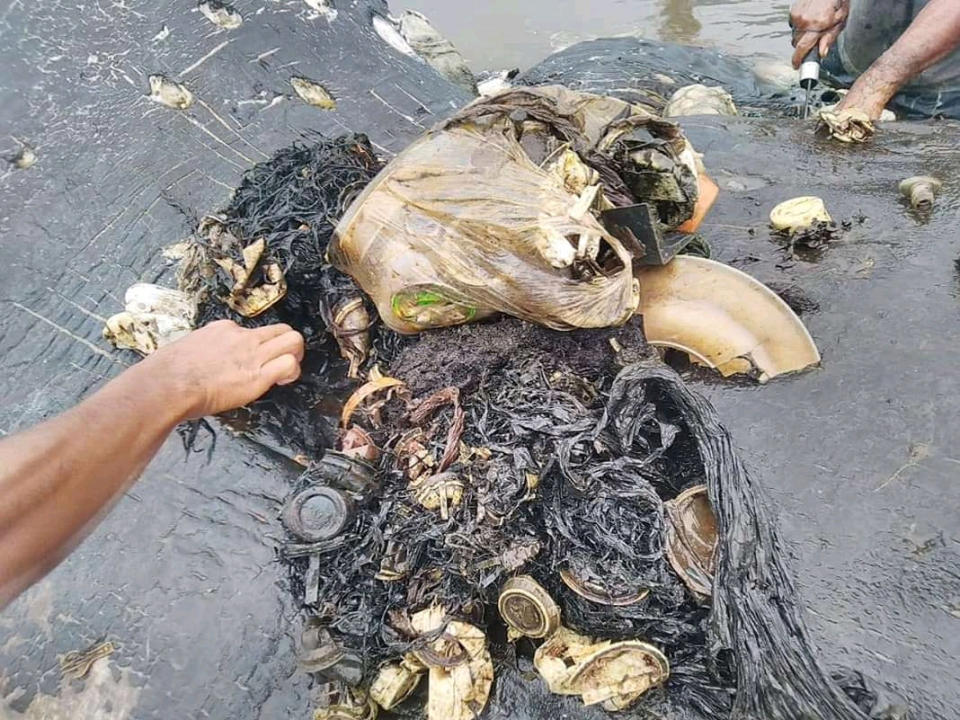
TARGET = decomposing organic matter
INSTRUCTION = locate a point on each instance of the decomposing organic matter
(615, 674)
(25, 158)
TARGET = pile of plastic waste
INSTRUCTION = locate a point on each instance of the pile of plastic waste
(537, 487)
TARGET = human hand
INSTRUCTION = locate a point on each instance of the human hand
(816, 24)
(223, 366)
(868, 95)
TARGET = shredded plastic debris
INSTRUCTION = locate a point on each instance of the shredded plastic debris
(459, 665)
(700, 100)
(284, 212)
(804, 224)
(340, 702)
(691, 536)
(921, 191)
(170, 92)
(526, 239)
(848, 126)
(351, 327)
(616, 674)
(247, 296)
(221, 14)
(25, 158)
(75, 665)
(313, 93)
(395, 682)
(886, 115)
(153, 316)
(554, 443)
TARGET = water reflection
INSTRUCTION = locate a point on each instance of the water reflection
(678, 23)
(501, 34)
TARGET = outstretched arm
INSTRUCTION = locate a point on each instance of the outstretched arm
(932, 35)
(59, 479)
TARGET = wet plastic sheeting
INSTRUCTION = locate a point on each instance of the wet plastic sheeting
(182, 574)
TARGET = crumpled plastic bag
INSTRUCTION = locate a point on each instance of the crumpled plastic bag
(848, 126)
(496, 211)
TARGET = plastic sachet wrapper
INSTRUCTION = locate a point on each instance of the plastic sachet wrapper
(497, 211)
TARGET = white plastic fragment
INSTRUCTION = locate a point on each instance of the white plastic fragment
(221, 14)
(798, 214)
(494, 84)
(150, 298)
(324, 8)
(170, 93)
(153, 316)
(554, 247)
(390, 34)
(25, 158)
(700, 100)
(313, 93)
(461, 691)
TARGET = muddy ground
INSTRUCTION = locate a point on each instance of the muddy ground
(858, 456)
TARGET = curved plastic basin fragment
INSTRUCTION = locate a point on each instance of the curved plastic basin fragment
(723, 318)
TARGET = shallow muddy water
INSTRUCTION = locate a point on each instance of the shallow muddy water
(503, 34)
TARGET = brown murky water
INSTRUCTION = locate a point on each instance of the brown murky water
(500, 34)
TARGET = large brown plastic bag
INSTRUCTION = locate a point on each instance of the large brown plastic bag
(496, 211)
